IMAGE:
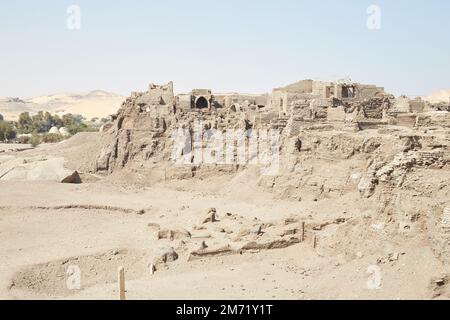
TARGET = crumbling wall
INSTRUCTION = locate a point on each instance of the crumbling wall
(184, 102)
(368, 91)
(438, 118)
(374, 107)
(138, 128)
(157, 96)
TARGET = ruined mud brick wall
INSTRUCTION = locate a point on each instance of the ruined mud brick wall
(406, 120)
(138, 128)
(157, 96)
(368, 91)
(228, 100)
(373, 108)
(439, 229)
(417, 105)
(184, 102)
(439, 118)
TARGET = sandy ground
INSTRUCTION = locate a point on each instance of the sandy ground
(39, 241)
(5, 147)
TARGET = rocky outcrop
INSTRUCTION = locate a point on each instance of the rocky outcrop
(40, 168)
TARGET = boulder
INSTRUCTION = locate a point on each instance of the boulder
(40, 168)
(211, 216)
(73, 178)
(162, 255)
(173, 234)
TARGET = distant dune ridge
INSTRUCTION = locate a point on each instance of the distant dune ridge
(439, 96)
(95, 104)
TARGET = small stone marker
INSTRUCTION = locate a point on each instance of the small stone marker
(152, 269)
(121, 283)
(303, 231)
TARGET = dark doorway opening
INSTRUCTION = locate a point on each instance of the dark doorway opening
(348, 92)
(202, 103)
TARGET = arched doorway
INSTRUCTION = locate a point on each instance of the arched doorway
(202, 103)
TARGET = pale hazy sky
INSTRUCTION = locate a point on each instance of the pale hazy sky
(245, 45)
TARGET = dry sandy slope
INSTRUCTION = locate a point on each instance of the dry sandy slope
(79, 152)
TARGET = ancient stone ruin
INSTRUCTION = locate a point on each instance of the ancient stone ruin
(142, 128)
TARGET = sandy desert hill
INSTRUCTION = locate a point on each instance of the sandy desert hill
(439, 96)
(92, 104)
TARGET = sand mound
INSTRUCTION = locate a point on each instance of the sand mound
(79, 151)
(97, 104)
(95, 108)
(439, 96)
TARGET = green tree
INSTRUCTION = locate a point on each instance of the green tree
(57, 121)
(42, 122)
(74, 123)
(7, 131)
(24, 124)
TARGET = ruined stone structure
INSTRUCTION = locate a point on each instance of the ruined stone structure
(199, 99)
(302, 101)
(142, 127)
(307, 100)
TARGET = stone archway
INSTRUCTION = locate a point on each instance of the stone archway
(202, 103)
